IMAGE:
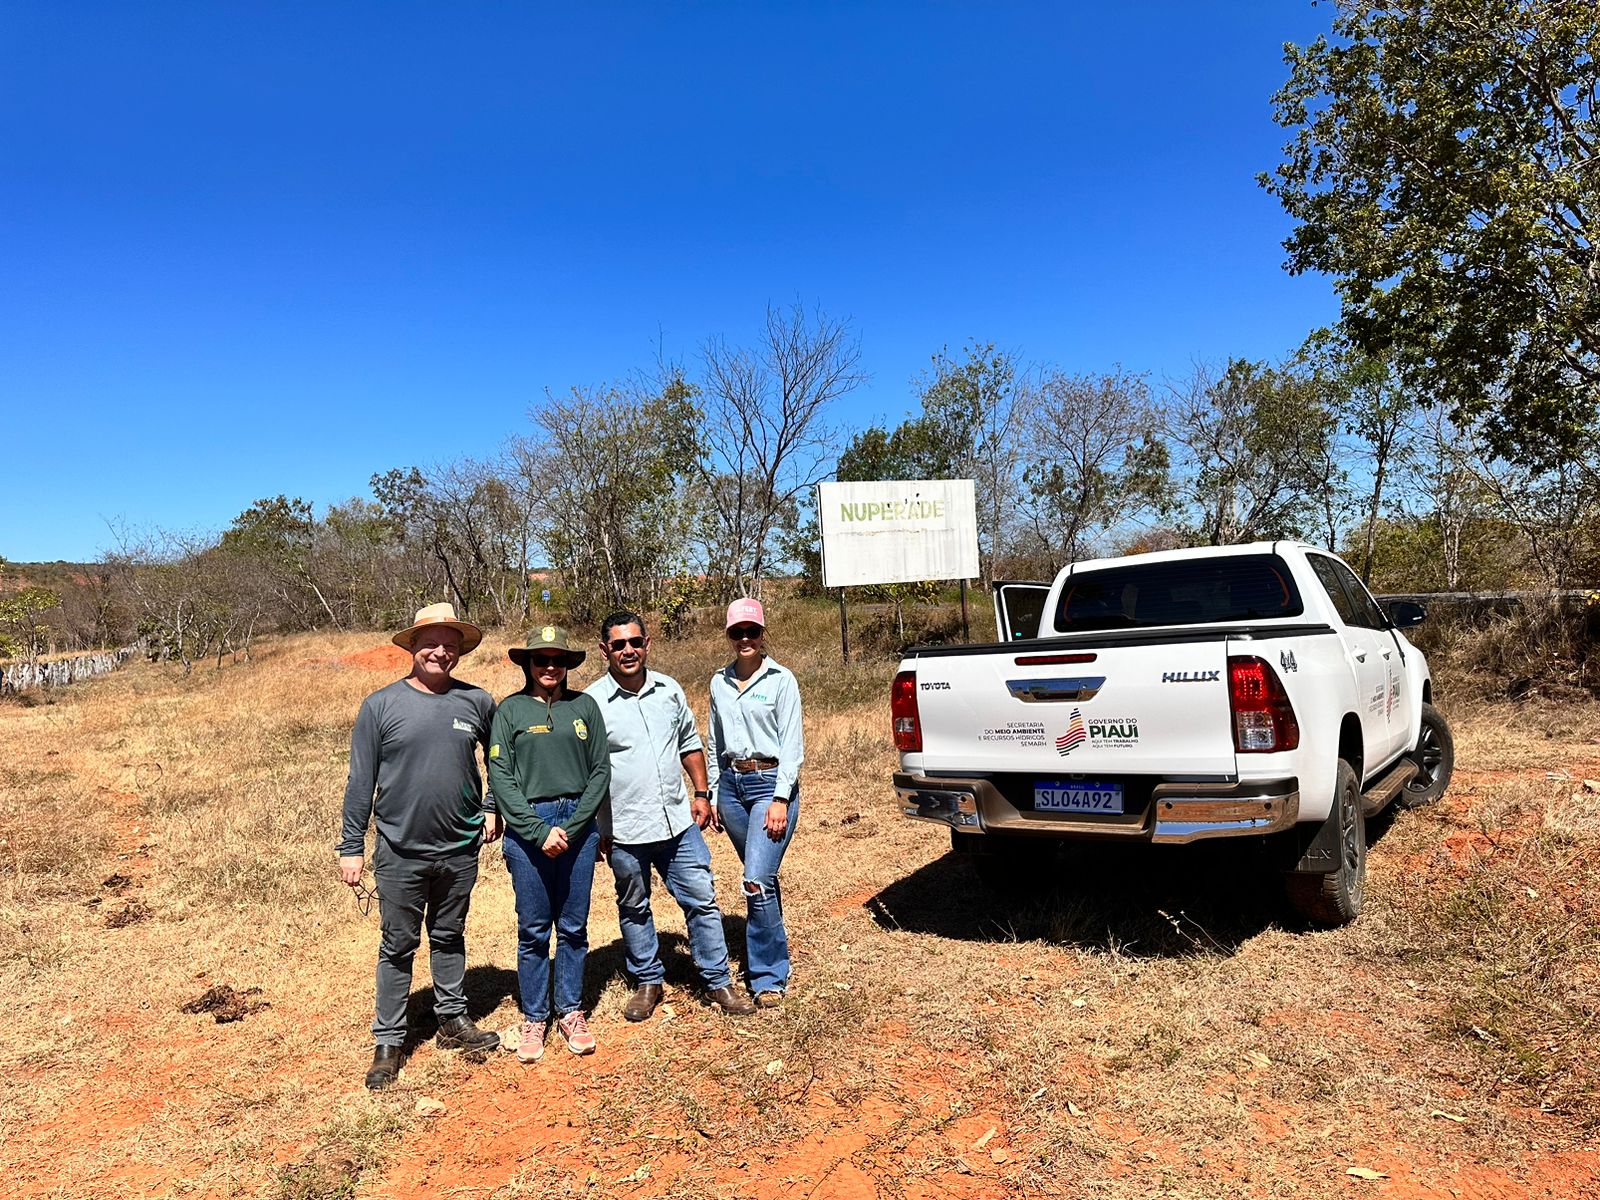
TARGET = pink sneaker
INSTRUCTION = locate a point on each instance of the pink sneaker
(575, 1032)
(531, 1047)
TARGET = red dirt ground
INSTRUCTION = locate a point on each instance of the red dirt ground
(919, 1121)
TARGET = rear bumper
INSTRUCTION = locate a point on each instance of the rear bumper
(1175, 813)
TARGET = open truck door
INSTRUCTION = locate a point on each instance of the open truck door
(1018, 609)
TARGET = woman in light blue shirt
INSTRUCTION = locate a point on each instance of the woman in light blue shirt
(754, 767)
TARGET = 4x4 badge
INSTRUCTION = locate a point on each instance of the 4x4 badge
(1286, 661)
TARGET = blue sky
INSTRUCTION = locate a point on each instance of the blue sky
(277, 247)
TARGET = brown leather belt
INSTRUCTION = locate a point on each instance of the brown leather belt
(746, 765)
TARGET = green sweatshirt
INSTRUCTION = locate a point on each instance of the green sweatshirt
(540, 751)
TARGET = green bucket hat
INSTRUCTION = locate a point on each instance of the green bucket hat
(548, 637)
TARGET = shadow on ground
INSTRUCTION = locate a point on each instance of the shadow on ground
(488, 986)
(1146, 901)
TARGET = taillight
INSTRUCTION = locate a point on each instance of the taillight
(1263, 718)
(903, 710)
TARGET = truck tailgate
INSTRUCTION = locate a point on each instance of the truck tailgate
(1159, 708)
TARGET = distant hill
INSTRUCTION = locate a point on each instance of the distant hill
(56, 575)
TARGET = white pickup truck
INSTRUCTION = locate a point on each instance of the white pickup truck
(1253, 691)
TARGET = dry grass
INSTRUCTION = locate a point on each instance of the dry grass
(1146, 1027)
(1521, 654)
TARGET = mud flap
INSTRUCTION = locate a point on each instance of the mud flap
(1313, 849)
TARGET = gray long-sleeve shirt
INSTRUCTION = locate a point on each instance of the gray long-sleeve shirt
(414, 766)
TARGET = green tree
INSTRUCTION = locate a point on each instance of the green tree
(973, 416)
(1443, 171)
(279, 536)
(1376, 414)
(23, 633)
(1255, 451)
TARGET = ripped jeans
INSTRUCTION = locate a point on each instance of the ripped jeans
(742, 803)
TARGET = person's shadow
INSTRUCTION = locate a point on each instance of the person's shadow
(609, 962)
(487, 986)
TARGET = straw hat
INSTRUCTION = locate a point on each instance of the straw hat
(440, 614)
(549, 637)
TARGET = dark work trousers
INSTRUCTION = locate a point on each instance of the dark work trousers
(413, 892)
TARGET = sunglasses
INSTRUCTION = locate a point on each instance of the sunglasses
(742, 633)
(620, 643)
(543, 661)
(364, 897)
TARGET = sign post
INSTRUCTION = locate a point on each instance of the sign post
(897, 531)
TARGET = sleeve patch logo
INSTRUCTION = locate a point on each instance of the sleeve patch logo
(494, 750)
(580, 728)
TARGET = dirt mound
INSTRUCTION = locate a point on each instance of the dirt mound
(379, 658)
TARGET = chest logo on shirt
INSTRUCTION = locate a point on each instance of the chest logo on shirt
(464, 726)
(581, 729)
(538, 729)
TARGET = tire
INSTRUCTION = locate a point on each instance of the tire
(1435, 755)
(1331, 900)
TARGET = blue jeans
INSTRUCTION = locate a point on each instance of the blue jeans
(552, 891)
(742, 803)
(684, 863)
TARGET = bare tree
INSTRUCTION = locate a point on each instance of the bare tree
(767, 434)
(1097, 460)
(608, 461)
(1549, 506)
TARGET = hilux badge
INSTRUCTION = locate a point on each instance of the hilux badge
(1190, 676)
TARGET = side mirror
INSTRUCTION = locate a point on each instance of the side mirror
(1403, 614)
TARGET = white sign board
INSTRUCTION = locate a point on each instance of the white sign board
(897, 531)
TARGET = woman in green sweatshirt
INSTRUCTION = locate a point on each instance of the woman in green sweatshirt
(549, 770)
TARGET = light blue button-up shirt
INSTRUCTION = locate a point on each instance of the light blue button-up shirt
(763, 721)
(649, 732)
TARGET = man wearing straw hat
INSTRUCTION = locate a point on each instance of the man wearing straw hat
(414, 769)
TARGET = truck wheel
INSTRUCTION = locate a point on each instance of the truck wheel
(1328, 901)
(1435, 756)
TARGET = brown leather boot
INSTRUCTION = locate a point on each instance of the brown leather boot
(643, 1002)
(731, 1002)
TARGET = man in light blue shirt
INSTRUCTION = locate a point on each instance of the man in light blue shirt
(651, 821)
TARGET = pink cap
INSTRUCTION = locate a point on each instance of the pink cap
(746, 612)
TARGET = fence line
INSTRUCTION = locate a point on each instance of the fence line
(20, 676)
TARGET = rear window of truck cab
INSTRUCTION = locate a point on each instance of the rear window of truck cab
(1197, 591)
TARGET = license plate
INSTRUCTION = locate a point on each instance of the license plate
(1055, 796)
